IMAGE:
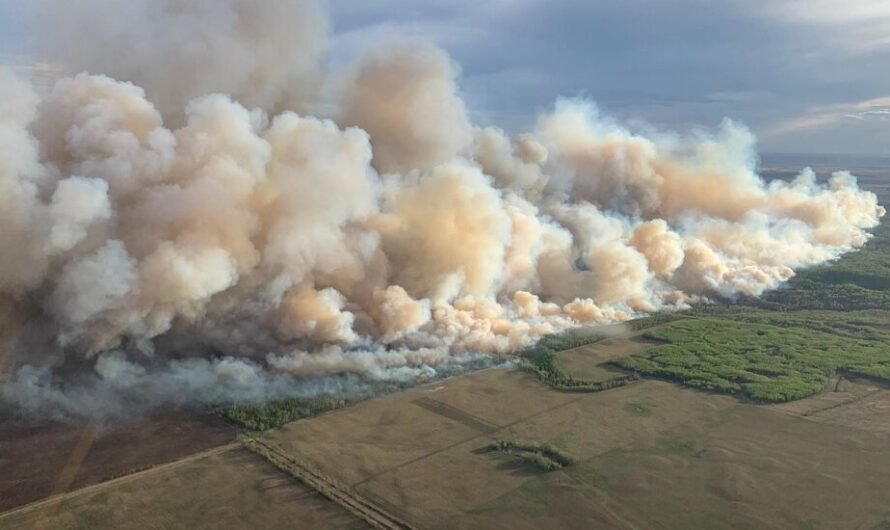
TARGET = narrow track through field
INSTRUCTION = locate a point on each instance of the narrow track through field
(358, 506)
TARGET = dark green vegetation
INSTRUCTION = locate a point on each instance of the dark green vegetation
(829, 320)
(541, 360)
(771, 360)
(262, 416)
(544, 457)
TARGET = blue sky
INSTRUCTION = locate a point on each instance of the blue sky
(805, 75)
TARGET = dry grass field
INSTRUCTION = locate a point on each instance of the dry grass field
(586, 362)
(45, 459)
(227, 487)
(870, 413)
(649, 455)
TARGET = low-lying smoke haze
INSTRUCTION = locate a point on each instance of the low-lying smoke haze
(207, 214)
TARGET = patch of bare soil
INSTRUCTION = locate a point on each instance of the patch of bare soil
(39, 460)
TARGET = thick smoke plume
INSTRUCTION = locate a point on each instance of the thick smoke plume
(176, 226)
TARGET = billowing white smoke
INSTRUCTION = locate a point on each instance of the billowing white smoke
(195, 241)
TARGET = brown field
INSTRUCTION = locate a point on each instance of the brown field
(871, 413)
(227, 487)
(650, 455)
(586, 362)
(40, 460)
(839, 393)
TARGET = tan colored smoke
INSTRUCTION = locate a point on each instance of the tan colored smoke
(268, 55)
(405, 97)
(198, 217)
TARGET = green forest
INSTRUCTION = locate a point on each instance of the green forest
(828, 320)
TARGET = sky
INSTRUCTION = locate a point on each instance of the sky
(807, 76)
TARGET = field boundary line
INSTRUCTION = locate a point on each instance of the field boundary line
(48, 501)
(456, 414)
(870, 394)
(362, 508)
(75, 460)
(581, 395)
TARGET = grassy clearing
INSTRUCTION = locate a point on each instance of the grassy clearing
(541, 360)
(637, 408)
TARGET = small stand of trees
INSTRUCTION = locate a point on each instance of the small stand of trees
(544, 457)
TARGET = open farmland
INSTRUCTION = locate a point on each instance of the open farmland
(646, 455)
(651, 454)
(48, 459)
(228, 487)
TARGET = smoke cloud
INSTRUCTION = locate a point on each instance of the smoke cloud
(269, 56)
(178, 226)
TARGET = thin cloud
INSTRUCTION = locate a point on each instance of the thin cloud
(860, 26)
(825, 116)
